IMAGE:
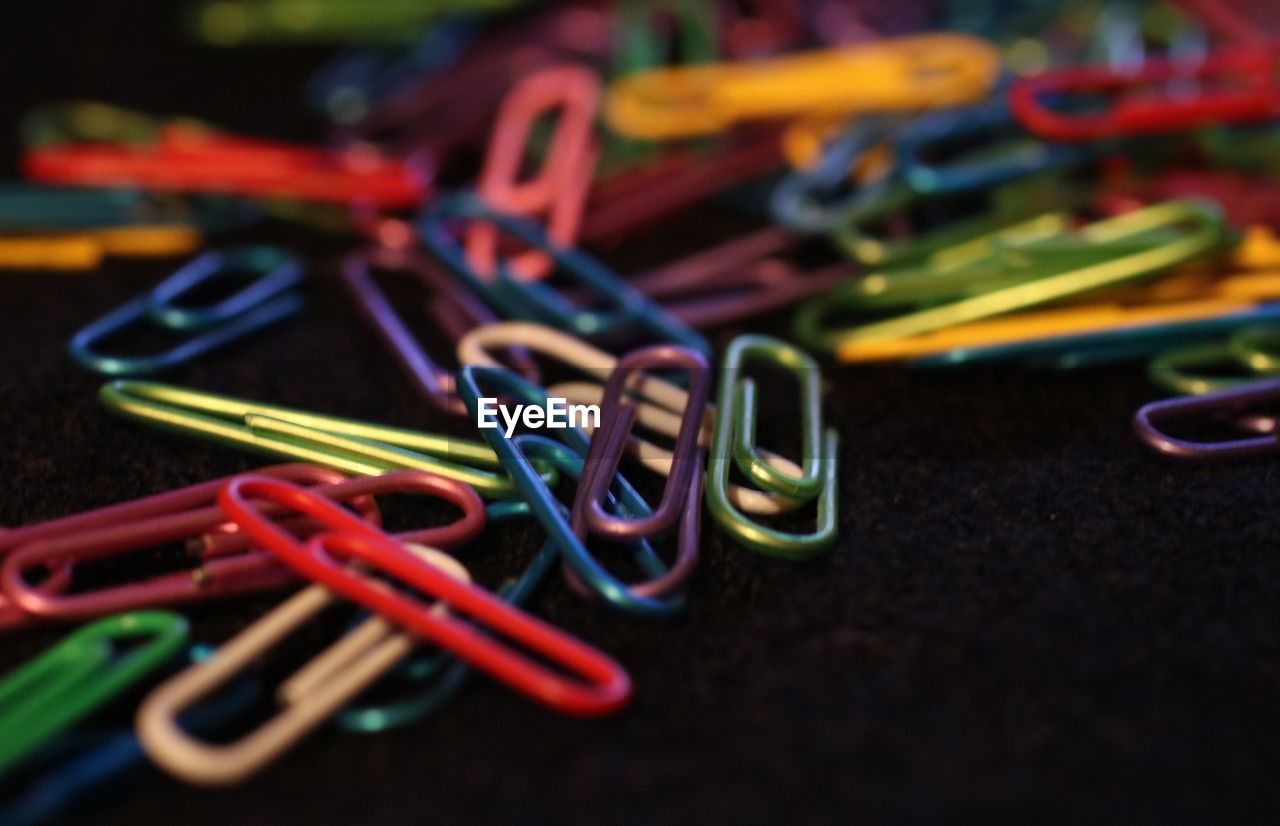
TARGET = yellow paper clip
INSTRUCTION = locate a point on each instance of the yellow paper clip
(1160, 305)
(901, 74)
(85, 249)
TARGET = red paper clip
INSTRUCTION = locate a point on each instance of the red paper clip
(677, 179)
(1247, 20)
(1245, 200)
(228, 566)
(1237, 85)
(187, 160)
(604, 686)
(558, 191)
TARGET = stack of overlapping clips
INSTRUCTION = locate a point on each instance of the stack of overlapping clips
(929, 187)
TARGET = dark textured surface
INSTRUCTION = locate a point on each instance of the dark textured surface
(1027, 615)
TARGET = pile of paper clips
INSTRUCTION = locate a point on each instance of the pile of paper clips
(1038, 185)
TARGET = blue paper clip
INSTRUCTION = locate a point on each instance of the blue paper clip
(517, 457)
(448, 675)
(997, 150)
(630, 311)
(806, 199)
(270, 298)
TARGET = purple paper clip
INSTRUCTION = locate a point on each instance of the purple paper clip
(617, 417)
(454, 310)
(1223, 404)
(737, 280)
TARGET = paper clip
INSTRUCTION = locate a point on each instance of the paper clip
(737, 280)
(1115, 327)
(797, 202)
(240, 22)
(603, 688)
(135, 512)
(227, 566)
(1105, 253)
(1252, 350)
(347, 445)
(78, 768)
(85, 249)
(316, 691)
(626, 201)
(558, 190)
(617, 418)
(660, 404)
(429, 116)
(354, 80)
(1239, 20)
(910, 73)
(639, 599)
(1230, 403)
(445, 677)
(984, 146)
(268, 299)
(309, 697)
(32, 208)
(734, 442)
(81, 674)
(1238, 85)
(629, 311)
(185, 160)
(455, 310)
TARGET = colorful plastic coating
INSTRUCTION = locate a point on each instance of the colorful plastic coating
(733, 442)
(268, 299)
(601, 687)
(1228, 404)
(81, 674)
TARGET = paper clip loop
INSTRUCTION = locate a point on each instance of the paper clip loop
(347, 445)
(1104, 253)
(1240, 87)
(617, 418)
(628, 309)
(270, 298)
(734, 442)
(227, 566)
(901, 74)
(81, 674)
(559, 189)
(637, 599)
(186, 160)
(1230, 402)
(603, 688)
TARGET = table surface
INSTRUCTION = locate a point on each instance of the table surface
(1027, 613)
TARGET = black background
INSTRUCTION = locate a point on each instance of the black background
(1027, 614)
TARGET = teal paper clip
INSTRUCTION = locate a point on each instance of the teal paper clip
(518, 457)
(629, 311)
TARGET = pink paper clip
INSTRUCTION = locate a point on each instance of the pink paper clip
(455, 311)
(602, 686)
(558, 191)
(228, 565)
(736, 280)
(134, 512)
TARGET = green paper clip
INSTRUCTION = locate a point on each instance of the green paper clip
(1255, 351)
(79, 675)
(735, 434)
(1027, 273)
